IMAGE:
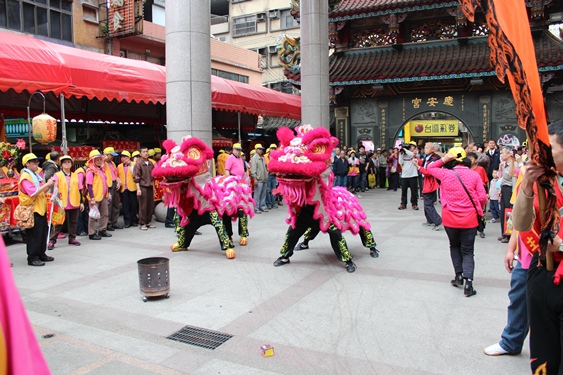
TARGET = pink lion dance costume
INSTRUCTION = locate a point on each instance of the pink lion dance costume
(302, 165)
(198, 198)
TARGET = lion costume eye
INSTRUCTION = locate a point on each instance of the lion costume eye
(194, 153)
(319, 148)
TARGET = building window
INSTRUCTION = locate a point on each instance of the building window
(229, 76)
(50, 18)
(287, 20)
(244, 26)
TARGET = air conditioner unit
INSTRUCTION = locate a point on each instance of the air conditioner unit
(274, 14)
(272, 49)
(260, 17)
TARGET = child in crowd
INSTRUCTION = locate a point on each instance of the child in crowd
(493, 196)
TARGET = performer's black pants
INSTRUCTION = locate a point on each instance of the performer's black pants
(545, 314)
(304, 221)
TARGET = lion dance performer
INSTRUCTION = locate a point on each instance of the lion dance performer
(198, 198)
(302, 165)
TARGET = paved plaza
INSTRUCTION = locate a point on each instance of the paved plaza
(397, 314)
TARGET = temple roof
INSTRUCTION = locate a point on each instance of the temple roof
(426, 61)
(350, 8)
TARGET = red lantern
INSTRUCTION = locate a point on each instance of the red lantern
(44, 128)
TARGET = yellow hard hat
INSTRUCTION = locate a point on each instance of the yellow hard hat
(65, 157)
(258, 146)
(126, 153)
(412, 143)
(48, 157)
(237, 146)
(28, 157)
(252, 152)
(221, 151)
(273, 145)
(151, 152)
(458, 152)
(157, 150)
(95, 154)
(135, 153)
(110, 151)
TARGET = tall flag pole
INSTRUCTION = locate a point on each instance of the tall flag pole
(513, 57)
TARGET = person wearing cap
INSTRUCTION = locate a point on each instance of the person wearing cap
(128, 190)
(31, 192)
(145, 189)
(459, 216)
(157, 154)
(51, 165)
(259, 174)
(271, 200)
(114, 184)
(69, 187)
(151, 156)
(82, 226)
(98, 194)
(235, 166)
(409, 175)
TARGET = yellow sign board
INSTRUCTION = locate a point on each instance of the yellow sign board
(433, 128)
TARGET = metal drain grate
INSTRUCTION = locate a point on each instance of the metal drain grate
(204, 338)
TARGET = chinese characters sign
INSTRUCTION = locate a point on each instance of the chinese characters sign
(434, 128)
(432, 102)
(125, 17)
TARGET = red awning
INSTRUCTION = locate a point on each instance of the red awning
(28, 63)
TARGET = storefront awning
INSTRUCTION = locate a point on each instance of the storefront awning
(31, 64)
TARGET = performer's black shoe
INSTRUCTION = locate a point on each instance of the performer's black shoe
(458, 281)
(468, 290)
(281, 261)
(301, 246)
(350, 266)
(374, 252)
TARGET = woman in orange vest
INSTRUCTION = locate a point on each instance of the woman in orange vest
(128, 190)
(98, 193)
(31, 192)
(69, 187)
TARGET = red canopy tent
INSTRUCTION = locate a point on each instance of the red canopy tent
(28, 63)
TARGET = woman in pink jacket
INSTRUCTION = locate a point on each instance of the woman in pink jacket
(459, 216)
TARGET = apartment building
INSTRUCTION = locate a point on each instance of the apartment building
(256, 25)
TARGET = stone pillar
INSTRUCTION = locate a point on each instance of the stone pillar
(314, 63)
(188, 69)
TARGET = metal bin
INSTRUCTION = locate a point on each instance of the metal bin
(154, 277)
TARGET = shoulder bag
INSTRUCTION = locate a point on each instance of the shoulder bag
(24, 216)
(482, 223)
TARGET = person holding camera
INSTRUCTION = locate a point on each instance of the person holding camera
(409, 175)
(460, 189)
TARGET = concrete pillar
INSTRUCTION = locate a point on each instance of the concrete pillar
(314, 63)
(188, 69)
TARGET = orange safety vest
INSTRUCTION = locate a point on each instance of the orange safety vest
(64, 189)
(38, 201)
(131, 186)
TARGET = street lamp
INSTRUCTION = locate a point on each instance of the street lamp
(44, 126)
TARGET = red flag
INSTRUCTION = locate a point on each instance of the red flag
(19, 350)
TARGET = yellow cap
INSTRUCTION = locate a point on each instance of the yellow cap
(221, 151)
(151, 152)
(258, 146)
(126, 153)
(273, 145)
(458, 152)
(28, 157)
(65, 157)
(157, 150)
(252, 152)
(135, 153)
(412, 143)
(95, 154)
(110, 151)
(237, 146)
(48, 157)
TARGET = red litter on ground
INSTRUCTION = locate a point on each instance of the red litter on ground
(267, 350)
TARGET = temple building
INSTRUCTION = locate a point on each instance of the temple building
(418, 70)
